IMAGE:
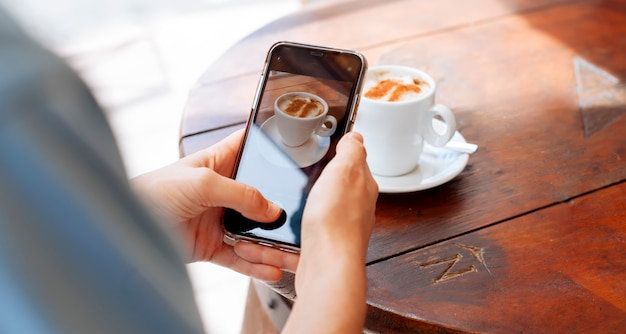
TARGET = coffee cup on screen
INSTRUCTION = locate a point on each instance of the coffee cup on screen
(396, 116)
(299, 115)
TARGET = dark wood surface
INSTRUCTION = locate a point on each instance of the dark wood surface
(531, 236)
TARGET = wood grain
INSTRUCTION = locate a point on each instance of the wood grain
(363, 25)
(530, 237)
(556, 270)
(525, 119)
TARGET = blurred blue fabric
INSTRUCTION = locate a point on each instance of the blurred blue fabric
(79, 253)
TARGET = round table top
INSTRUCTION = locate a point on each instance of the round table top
(531, 235)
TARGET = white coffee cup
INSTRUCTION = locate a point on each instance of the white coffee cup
(299, 115)
(394, 131)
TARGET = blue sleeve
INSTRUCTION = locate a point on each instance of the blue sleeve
(78, 251)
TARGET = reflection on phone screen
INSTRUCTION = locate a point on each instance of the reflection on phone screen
(291, 138)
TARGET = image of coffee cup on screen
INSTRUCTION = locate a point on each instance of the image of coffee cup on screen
(302, 115)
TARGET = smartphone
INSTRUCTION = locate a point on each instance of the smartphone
(305, 102)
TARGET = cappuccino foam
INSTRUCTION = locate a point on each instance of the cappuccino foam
(394, 87)
(301, 106)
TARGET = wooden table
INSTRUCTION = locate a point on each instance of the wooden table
(531, 236)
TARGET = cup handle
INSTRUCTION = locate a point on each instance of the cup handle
(327, 131)
(432, 136)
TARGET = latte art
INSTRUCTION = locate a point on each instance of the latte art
(300, 115)
(301, 106)
(388, 87)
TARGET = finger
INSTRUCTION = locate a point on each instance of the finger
(351, 147)
(348, 160)
(231, 142)
(353, 135)
(224, 152)
(228, 258)
(355, 140)
(265, 255)
(247, 200)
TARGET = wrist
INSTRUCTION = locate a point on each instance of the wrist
(330, 266)
(331, 290)
(325, 245)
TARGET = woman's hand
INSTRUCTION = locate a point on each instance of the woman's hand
(337, 223)
(340, 210)
(192, 193)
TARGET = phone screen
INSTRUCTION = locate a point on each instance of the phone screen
(305, 103)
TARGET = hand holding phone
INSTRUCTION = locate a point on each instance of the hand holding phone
(306, 100)
(342, 204)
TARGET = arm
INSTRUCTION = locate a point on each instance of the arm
(337, 224)
(338, 220)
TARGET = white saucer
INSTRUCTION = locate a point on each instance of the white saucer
(312, 151)
(437, 165)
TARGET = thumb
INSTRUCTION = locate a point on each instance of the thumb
(247, 200)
